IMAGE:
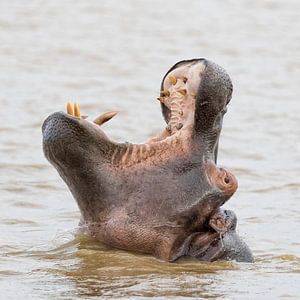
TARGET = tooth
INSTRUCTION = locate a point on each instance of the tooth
(105, 117)
(184, 79)
(70, 109)
(76, 110)
(172, 79)
(164, 93)
(182, 91)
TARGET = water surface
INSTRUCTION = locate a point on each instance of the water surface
(111, 55)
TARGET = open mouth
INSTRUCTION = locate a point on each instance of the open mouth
(178, 95)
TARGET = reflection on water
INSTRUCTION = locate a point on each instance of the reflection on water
(100, 271)
(89, 268)
(111, 55)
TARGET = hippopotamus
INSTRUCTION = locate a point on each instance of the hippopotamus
(162, 197)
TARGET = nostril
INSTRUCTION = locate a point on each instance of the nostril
(226, 180)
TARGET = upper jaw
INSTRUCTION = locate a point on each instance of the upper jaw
(178, 94)
(194, 97)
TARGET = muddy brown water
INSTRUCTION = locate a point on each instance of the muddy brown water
(111, 55)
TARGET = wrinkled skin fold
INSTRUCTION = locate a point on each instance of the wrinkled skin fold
(162, 197)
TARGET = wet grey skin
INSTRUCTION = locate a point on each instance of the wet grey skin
(162, 197)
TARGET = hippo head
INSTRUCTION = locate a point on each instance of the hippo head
(163, 196)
